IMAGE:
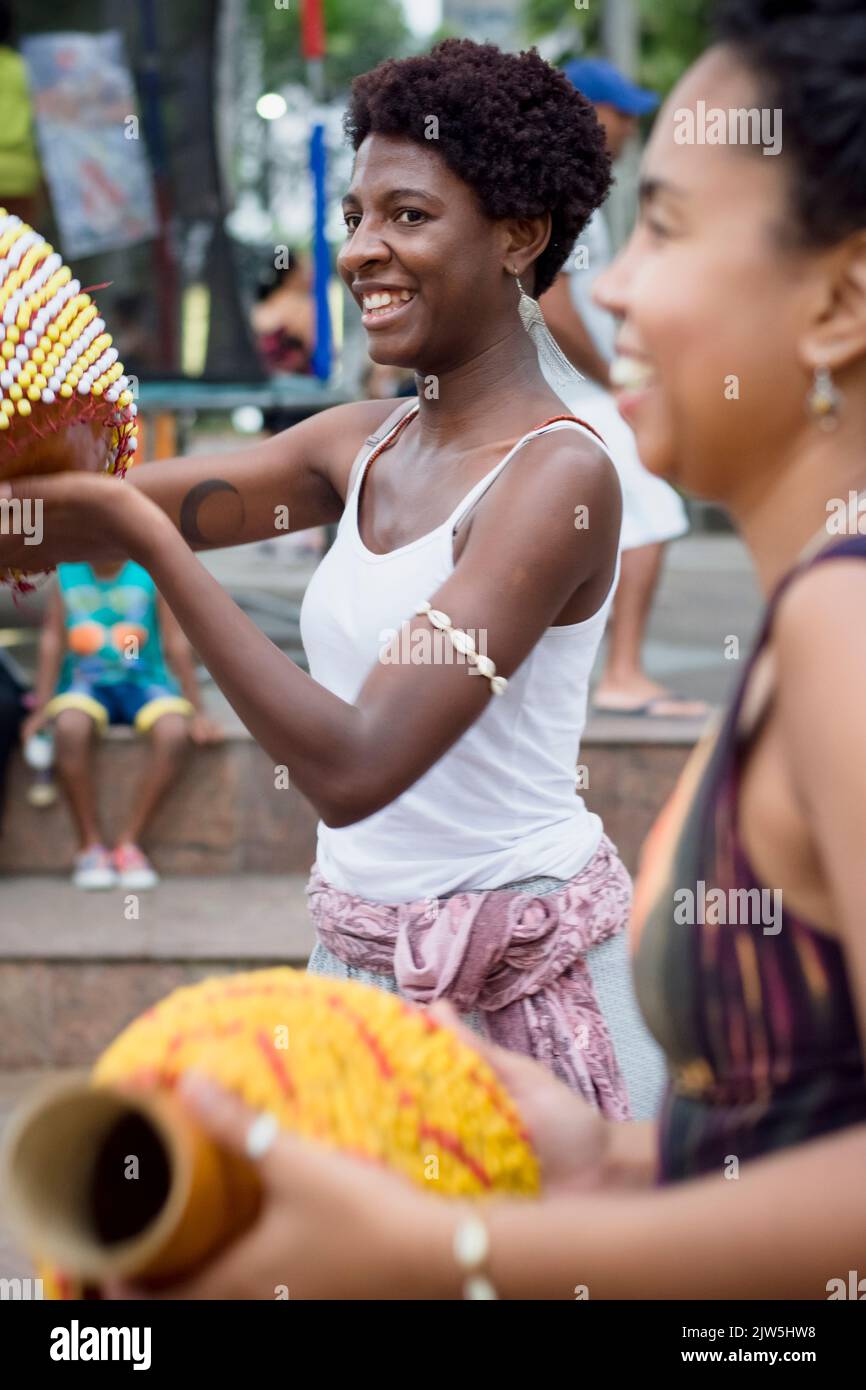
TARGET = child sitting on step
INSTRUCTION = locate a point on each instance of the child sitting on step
(111, 652)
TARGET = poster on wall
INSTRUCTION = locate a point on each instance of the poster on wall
(93, 152)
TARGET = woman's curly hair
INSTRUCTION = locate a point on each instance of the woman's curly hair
(511, 126)
(808, 58)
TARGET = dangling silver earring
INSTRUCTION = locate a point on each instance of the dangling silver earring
(824, 400)
(561, 374)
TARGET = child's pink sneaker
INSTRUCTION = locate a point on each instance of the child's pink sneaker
(134, 869)
(93, 868)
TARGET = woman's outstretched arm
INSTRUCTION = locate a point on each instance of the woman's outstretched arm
(521, 563)
(334, 1227)
(787, 1226)
(289, 482)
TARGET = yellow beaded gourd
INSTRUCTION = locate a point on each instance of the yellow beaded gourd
(339, 1063)
(342, 1063)
(58, 368)
(58, 365)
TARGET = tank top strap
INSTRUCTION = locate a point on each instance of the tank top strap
(476, 492)
(755, 692)
(374, 442)
(846, 547)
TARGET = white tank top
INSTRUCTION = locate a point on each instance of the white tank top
(500, 805)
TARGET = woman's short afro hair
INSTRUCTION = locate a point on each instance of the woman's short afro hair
(808, 59)
(510, 125)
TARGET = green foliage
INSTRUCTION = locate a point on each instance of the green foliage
(360, 34)
(545, 16)
(672, 33)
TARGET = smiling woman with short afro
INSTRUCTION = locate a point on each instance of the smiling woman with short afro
(509, 125)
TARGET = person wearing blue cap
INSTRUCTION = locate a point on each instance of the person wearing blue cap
(653, 512)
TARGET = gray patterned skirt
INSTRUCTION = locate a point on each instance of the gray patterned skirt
(639, 1057)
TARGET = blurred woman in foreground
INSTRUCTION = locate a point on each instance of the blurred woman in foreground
(743, 300)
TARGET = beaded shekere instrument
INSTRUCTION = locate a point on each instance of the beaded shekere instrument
(65, 402)
(102, 1181)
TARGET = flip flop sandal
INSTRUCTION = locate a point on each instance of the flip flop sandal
(649, 709)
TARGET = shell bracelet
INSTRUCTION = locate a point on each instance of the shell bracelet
(464, 644)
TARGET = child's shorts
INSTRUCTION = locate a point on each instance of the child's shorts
(120, 702)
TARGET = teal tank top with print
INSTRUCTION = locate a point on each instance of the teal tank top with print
(112, 628)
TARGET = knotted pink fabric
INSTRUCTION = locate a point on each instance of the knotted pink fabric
(519, 957)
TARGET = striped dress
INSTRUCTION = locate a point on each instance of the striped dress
(757, 1018)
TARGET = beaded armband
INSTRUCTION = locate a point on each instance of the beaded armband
(463, 643)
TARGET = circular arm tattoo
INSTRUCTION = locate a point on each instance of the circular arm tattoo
(212, 513)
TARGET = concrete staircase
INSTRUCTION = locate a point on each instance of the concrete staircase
(75, 968)
(236, 852)
(225, 815)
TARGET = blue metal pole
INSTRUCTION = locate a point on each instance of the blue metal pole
(321, 257)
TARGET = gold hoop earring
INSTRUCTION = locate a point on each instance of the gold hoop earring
(824, 400)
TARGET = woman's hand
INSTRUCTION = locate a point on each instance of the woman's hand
(73, 516)
(330, 1226)
(570, 1139)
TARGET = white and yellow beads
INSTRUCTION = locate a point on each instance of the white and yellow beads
(53, 344)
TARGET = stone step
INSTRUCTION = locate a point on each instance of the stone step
(75, 967)
(226, 815)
